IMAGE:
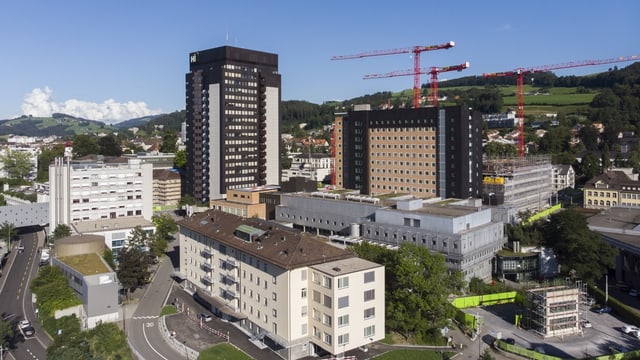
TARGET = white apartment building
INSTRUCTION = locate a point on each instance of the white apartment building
(98, 189)
(562, 177)
(297, 293)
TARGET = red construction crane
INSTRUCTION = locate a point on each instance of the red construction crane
(416, 50)
(520, 72)
(434, 71)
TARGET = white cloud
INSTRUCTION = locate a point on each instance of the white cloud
(40, 102)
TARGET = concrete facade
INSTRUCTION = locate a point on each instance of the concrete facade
(99, 188)
(232, 121)
(98, 291)
(464, 233)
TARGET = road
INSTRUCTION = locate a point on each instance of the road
(142, 328)
(15, 298)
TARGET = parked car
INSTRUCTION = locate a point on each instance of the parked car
(24, 323)
(635, 333)
(629, 328)
(28, 330)
(633, 292)
(586, 323)
(206, 317)
(603, 310)
(510, 341)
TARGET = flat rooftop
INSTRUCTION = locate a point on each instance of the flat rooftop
(122, 223)
(347, 266)
(86, 264)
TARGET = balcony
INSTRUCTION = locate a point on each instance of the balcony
(206, 267)
(207, 253)
(228, 264)
(207, 280)
(229, 295)
(229, 280)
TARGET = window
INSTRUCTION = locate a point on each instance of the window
(303, 293)
(316, 315)
(369, 295)
(315, 278)
(316, 332)
(326, 320)
(343, 282)
(370, 331)
(274, 313)
(369, 313)
(303, 311)
(343, 339)
(326, 282)
(343, 320)
(327, 301)
(303, 275)
(343, 302)
(303, 329)
(327, 338)
(274, 297)
(369, 277)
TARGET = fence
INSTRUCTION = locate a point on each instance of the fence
(194, 317)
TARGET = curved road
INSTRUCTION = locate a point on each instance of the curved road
(142, 328)
(15, 298)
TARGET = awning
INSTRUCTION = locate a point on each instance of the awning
(219, 305)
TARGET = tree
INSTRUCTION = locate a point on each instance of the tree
(186, 200)
(169, 142)
(6, 333)
(84, 145)
(579, 250)
(416, 288)
(17, 164)
(486, 355)
(165, 225)
(62, 230)
(46, 158)
(494, 148)
(8, 231)
(109, 145)
(180, 160)
(590, 137)
(133, 268)
(107, 255)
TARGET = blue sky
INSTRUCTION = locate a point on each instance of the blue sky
(114, 60)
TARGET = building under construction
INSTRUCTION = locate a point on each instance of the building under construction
(521, 183)
(554, 311)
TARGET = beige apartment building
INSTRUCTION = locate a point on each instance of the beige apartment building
(166, 187)
(618, 187)
(294, 291)
(244, 202)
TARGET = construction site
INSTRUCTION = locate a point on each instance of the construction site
(520, 182)
(555, 310)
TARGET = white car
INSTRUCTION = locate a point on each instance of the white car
(586, 324)
(629, 329)
(24, 323)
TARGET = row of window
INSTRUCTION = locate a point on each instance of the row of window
(407, 138)
(343, 339)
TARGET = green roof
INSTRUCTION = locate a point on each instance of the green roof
(86, 264)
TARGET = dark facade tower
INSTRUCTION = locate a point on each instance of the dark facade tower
(232, 121)
(426, 152)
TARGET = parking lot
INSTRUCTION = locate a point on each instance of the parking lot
(604, 335)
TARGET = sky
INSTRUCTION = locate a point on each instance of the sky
(116, 60)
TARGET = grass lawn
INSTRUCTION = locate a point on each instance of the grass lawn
(223, 351)
(413, 355)
(168, 310)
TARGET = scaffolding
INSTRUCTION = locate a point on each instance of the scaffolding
(553, 311)
(521, 182)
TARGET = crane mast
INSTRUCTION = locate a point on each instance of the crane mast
(520, 72)
(416, 50)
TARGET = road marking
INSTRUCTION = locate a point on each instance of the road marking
(145, 317)
(144, 332)
(149, 324)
